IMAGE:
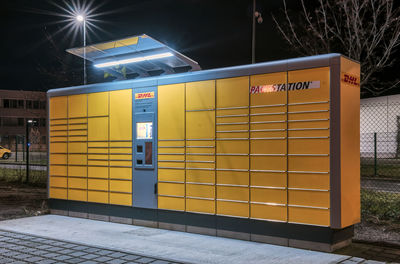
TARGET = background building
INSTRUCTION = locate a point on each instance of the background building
(16, 107)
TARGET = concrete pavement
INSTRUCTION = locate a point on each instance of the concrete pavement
(165, 244)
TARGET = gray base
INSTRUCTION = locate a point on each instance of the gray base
(232, 234)
(173, 227)
(280, 241)
(121, 220)
(58, 212)
(201, 230)
(98, 217)
(78, 214)
(145, 223)
(318, 246)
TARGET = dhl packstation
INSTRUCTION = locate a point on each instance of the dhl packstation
(267, 152)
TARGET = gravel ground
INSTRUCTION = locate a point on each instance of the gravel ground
(382, 233)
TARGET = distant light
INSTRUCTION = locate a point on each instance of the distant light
(135, 59)
(30, 121)
(80, 18)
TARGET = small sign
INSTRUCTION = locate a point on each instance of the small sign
(146, 95)
(350, 79)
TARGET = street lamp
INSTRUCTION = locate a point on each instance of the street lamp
(81, 19)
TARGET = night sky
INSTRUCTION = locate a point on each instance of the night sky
(213, 33)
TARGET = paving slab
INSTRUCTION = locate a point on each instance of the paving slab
(154, 243)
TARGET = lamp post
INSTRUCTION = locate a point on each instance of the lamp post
(28, 144)
(82, 19)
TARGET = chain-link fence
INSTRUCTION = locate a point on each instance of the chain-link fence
(380, 157)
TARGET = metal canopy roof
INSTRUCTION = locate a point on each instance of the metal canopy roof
(132, 47)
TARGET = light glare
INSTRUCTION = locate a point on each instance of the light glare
(136, 59)
(80, 18)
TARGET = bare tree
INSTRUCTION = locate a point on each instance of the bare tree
(365, 30)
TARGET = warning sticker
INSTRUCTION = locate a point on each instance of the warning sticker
(281, 87)
(146, 95)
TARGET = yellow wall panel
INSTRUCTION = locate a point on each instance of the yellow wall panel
(77, 171)
(97, 184)
(58, 159)
(200, 125)
(97, 128)
(233, 162)
(310, 133)
(268, 163)
(265, 146)
(233, 92)
(77, 133)
(77, 183)
(77, 159)
(58, 170)
(62, 122)
(58, 133)
(164, 164)
(171, 175)
(233, 146)
(98, 144)
(58, 182)
(98, 104)
(77, 123)
(98, 163)
(58, 193)
(233, 209)
(309, 146)
(308, 163)
(309, 198)
(120, 186)
(57, 128)
(77, 147)
(58, 107)
(171, 203)
(271, 179)
(201, 176)
(121, 115)
(121, 173)
(233, 193)
(171, 111)
(264, 195)
(77, 195)
(97, 172)
(309, 107)
(233, 177)
(268, 98)
(98, 197)
(166, 188)
(120, 163)
(77, 105)
(118, 144)
(232, 134)
(309, 180)
(311, 216)
(77, 138)
(200, 206)
(121, 198)
(200, 95)
(269, 212)
(199, 190)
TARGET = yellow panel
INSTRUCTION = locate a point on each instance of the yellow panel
(120, 163)
(120, 186)
(350, 143)
(233, 92)
(309, 107)
(233, 193)
(121, 143)
(98, 157)
(233, 162)
(309, 216)
(121, 157)
(233, 209)
(58, 139)
(77, 147)
(271, 179)
(236, 119)
(309, 198)
(310, 181)
(98, 104)
(58, 159)
(121, 198)
(120, 150)
(200, 158)
(195, 165)
(268, 126)
(268, 163)
(268, 134)
(199, 190)
(171, 143)
(77, 159)
(307, 116)
(269, 118)
(200, 125)
(121, 115)
(58, 107)
(309, 133)
(171, 111)
(200, 95)
(77, 171)
(265, 146)
(310, 95)
(233, 177)
(162, 164)
(171, 175)
(97, 163)
(233, 134)
(77, 105)
(177, 189)
(83, 138)
(58, 133)
(56, 128)
(77, 133)
(98, 172)
(98, 144)
(121, 173)
(98, 128)
(200, 206)
(58, 170)
(210, 150)
(171, 157)
(269, 212)
(78, 195)
(171, 203)
(309, 146)
(270, 98)
(263, 195)
(98, 150)
(231, 127)
(77, 123)
(96, 184)
(233, 146)
(58, 193)
(223, 112)
(202, 176)
(77, 183)
(98, 197)
(277, 109)
(58, 182)
(75, 126)
(307, 163)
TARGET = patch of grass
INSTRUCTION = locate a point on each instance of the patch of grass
(380, 206)
(36, 177)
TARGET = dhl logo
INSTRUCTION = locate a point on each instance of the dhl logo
(350, 79)
(146, 95)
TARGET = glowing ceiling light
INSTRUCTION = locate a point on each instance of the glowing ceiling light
(135, 59)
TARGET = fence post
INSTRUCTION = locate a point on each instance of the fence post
(16, 148)
(375, 156)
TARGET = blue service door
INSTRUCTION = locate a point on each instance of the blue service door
(144, 152)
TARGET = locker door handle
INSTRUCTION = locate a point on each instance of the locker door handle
(155, 188)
